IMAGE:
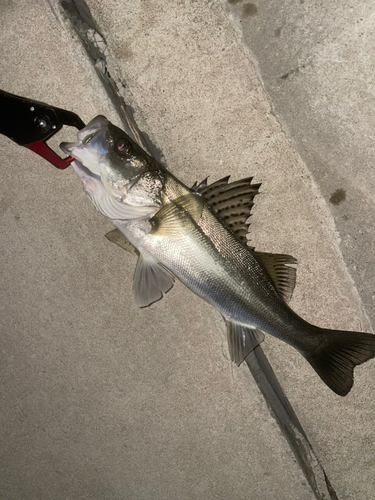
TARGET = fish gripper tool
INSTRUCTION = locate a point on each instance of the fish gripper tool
(31, 123)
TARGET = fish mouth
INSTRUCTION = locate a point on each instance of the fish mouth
(91, 149)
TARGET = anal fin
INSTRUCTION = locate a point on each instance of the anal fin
(242, 340)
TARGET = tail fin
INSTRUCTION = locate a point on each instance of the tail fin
(339, 355)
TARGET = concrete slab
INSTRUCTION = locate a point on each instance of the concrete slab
(196, 92)
(316, 62)
(101, 400)
(106, 401)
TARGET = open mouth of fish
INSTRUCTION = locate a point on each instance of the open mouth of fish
(91, 147)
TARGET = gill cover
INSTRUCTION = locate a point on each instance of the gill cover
(104, 201)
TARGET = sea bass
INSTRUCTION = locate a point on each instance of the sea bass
(198, 235)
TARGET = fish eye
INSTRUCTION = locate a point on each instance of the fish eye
(123, 147)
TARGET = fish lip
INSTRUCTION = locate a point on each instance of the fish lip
(67, 147)
(82, 170)
(94, 129)
(98, 123)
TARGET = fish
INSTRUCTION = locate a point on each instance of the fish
(198, 235)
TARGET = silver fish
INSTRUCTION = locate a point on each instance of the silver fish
(198, 235)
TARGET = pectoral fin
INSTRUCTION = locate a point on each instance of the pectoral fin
(151, 280)
(173, 217)
(242, 340)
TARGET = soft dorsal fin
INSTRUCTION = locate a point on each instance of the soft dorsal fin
(231, 202)
(282, 276)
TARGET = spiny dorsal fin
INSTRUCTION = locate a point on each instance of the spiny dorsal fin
(282, 276)
(232, 203)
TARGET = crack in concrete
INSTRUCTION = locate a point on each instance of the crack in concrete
(106, 67)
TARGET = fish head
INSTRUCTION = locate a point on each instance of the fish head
(108, 152)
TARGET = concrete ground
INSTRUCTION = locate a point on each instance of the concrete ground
(102, 400)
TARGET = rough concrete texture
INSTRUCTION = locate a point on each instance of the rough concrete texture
(317, 64)
(101, 400)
